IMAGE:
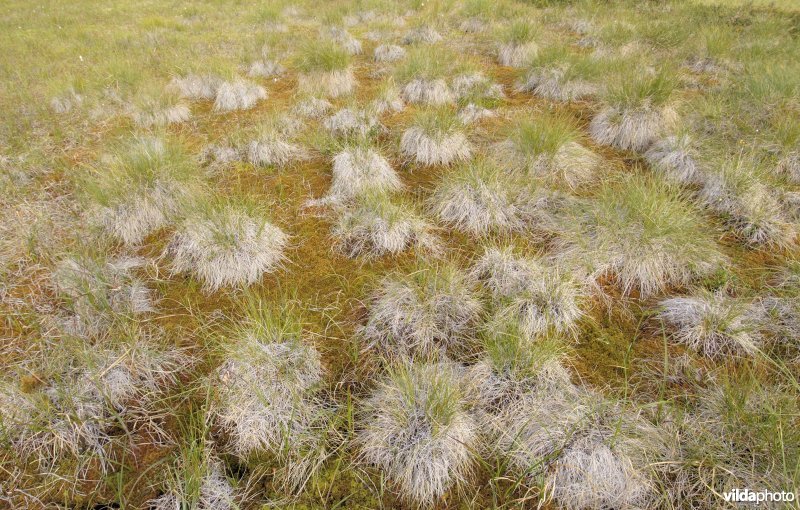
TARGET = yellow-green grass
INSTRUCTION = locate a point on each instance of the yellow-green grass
(52, 47)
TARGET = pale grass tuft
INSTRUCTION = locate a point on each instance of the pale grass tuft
(549, 148)
(84, 393)
(333, 84)
(549, 302)
(213, 491)
(313, 108)
(472, 26)
(749, 206)
(553, 83)
(532, 429)
(425, 313)
(474, 113)
(390, 100)
(645, 235)
(346, 40)
(631, 129)
(324, 69)
(638, 112)
(673, 157)
(67, 102)
(477, 85)
(357, 170)
(238, 95)
(216, 155)
(431, 92)
(592, 473)
(374, 226)
(195, 86)
(97, 289)
(435, 139)
(712, 323)
(435, 149)
(518, 47)
(514, 370)
(272, 148)
(266, 394)
(265, 68)
(142, 189)
(387, 53)
(481, 198)
(789, 166)
(133, 221)
(422, 35)
(417, 429)
(176, 114)
(226, 245)
(504, 272)
(517, 55)
(349, 122)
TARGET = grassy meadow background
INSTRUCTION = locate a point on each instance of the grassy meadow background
(679, 401)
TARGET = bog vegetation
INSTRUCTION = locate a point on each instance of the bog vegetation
(372, 254)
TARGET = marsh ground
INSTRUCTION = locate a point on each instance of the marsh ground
(176, 235)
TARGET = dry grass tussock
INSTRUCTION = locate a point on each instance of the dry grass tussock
(435, 139)
(425, 313)
(417, 429)
(71, 420)
(226, 245)
(266, 395)
(713, 323)
(375, 226)
(550, 148)
(361, 169)
(647, 238)
(141, 189)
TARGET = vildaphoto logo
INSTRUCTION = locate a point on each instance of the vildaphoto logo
(758, 497)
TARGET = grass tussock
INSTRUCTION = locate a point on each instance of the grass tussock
(388, 53)
(480, 198)
(375, 225)
(647, 238)
(95, 289)
(238, 95)
(518, 44)
(558, 74)
(713, 324)
(417, 429)
(514, 369)
(549, 147)
(423, 34)
(159, 111)
(345, 39)
(737, 191)
(140, 189)
(325, 69)
(69, 423)
(674, 157)
(351, 123)
(312, 107)
(266, 393)
(424, 313)
(638, 112)
(550, 302)
(423, 75)
(226, 244)
(359, 170)
(435, 138)
(273, 147)
(197, 86)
